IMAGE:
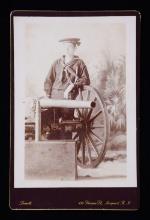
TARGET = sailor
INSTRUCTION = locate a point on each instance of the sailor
(66, 75)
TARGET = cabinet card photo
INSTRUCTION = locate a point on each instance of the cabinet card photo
(74, 110)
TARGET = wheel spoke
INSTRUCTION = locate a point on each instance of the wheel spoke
(78, 147)
(93, 145)
(83, 150)
(84, 113)
(97, 114)
(89, 153)
(96, 136)
(89, 114)
(79, 143)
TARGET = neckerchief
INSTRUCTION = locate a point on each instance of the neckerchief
(67, 68)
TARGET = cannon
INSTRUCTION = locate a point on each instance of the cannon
(89, 125)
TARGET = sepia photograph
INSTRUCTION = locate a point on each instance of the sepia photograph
(74, 101)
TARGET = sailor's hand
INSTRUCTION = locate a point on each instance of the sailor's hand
(68, 90)
(47, 96)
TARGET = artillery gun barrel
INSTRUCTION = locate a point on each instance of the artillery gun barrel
(65, 103)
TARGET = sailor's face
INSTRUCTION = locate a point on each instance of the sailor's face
(69, 49)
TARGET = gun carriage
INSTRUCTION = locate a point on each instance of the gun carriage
(88, 125)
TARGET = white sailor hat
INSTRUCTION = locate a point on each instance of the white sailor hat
(75, 41)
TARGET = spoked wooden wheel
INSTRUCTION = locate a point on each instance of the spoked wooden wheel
(91, 137)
